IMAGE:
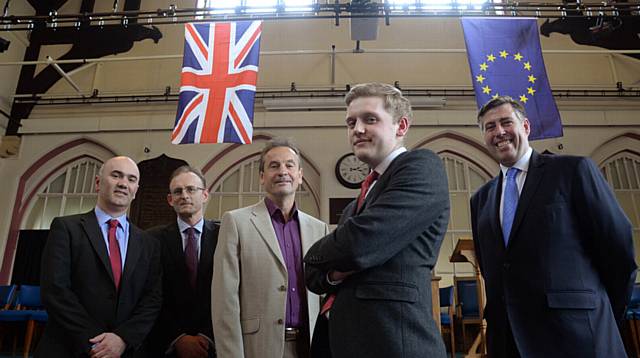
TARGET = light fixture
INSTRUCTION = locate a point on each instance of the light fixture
(337, 103)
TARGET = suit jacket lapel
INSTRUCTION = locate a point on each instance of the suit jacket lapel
(207, 246)
(175, 244)
(93, 232)
(534, 176)
(379, 184)
(306, 234)
(134, 249)
(262, 222)
(494, 196)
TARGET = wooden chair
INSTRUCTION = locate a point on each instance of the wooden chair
(446, 319)
(467, 308)
(29, 299)
(632, 315)
(10, 313)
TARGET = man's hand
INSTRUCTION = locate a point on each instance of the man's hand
(337, 276)
(107, 345)
(192, 347)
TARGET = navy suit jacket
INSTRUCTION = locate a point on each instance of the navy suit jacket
(567, 272)
(184, 310)
(79, 293)
(384, 309)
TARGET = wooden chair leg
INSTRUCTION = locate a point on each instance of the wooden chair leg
(464, 338)
(453, 342)
(28, 337)
(634, 334)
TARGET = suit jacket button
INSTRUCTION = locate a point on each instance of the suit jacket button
(280, 321)
(506, 266)
(282, 288)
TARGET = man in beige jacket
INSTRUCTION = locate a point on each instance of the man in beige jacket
(260, 306)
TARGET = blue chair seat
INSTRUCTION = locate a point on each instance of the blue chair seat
(444, 319)
(13, 316)
(38, 316)
(632, 313)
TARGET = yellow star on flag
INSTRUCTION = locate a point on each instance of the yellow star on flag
(532, 79)
(483, 66)
(495, 96)
(504, 54)
(480, 78)
(523, 99)
(486, 89)
(491, 58)
(527, 66)
(517, 56)
(530, 90)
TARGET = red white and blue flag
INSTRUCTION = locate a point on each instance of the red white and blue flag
(218, 83)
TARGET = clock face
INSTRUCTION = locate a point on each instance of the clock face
(350, 171)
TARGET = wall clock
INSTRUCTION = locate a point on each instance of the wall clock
(350, 171)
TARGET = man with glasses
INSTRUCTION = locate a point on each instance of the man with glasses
(261, 308)
(184, 328)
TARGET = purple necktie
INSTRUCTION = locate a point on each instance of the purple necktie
(191, 256)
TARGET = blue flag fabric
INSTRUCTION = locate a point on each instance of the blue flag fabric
(506, 60)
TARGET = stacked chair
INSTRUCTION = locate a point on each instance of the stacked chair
(25, 306)
(446, 319)
(632, 315)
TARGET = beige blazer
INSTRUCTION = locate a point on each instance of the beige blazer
(249, 279)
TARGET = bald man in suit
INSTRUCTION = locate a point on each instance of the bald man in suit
(100, 275)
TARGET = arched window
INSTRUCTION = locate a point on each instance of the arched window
(241, 187)
(72, 191)
(622, 171)
(464, 179)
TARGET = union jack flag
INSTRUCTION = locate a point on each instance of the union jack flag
(218, 83)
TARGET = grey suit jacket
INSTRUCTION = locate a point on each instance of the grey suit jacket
(249, 274)
(384, 309)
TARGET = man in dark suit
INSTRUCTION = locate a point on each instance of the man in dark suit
(184, 328)
(553, 245)
(100, 275)
(376, 266)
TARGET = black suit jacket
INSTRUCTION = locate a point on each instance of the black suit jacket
(79, 293)
(184, 310)
(384, 309)
(568, 270)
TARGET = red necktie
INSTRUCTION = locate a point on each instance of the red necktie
(364, 187)
(191, 256)
(114, 252)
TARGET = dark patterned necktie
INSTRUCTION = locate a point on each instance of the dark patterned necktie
(191, 256)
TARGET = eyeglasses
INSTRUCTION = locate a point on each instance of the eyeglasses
(187, 189)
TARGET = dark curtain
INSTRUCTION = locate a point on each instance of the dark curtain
(26, 266)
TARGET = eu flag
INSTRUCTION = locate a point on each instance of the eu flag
(506, 60)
